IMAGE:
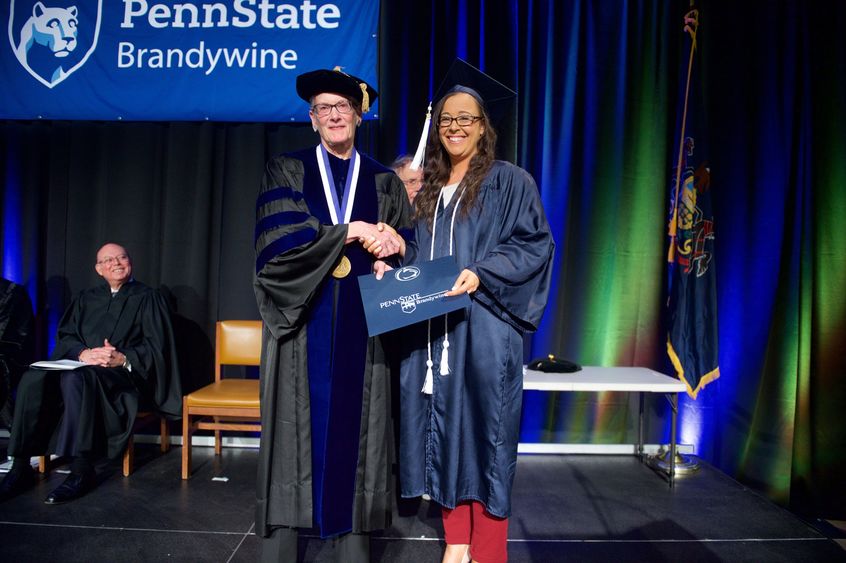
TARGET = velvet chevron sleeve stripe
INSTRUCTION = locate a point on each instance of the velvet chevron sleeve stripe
(284, 244)
(280, 232)
(275, 220)
(283, 220)
(276, 194)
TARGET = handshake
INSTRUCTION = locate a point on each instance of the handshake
(380, 240)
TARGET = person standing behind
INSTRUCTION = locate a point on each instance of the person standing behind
(326, 442)
(413, 179)
(461, 379)
(121, 330)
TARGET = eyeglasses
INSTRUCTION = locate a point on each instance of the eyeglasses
(463, 120)
(411, 182)
(322, 110)
(109, 260)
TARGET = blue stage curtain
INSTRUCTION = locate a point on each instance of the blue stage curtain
(596, 119)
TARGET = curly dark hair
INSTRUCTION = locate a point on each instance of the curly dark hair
(438, 166)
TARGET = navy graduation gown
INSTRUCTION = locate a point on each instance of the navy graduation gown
(325, 393)
(460, 443)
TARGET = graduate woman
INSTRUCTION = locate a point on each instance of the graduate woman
(462, 379)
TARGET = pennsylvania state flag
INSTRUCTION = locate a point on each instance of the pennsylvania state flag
(692, 294)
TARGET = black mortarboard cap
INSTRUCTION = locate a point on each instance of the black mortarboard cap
(552, 364)
(499, 101)
(336, 81)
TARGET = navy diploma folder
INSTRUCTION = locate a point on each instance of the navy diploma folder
(410, 294)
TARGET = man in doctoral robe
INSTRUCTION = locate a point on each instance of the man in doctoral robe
(326, 440)
(121, 332)
(16, 343)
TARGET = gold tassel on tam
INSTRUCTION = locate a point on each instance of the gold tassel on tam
(365, 98)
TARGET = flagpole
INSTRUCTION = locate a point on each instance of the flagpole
(692, 17)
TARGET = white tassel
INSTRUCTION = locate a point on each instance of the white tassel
(445, 351)
(427, 384)
(445, 357)
(417, 161)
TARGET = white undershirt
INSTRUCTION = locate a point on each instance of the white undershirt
(448, 192)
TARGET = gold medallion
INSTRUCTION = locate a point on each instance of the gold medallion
(343, 268)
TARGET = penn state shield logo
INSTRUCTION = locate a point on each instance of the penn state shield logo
(53, 38)
(407, 273)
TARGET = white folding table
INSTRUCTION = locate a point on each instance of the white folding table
(628, 379)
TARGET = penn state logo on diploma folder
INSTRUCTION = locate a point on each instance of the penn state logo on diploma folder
(409, 295)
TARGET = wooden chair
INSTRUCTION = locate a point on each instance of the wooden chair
(232, 403)
(143, 418)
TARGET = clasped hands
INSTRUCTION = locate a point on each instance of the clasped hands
(467, 281)
(106, 356)
(380, 240)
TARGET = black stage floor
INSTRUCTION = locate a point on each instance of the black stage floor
(566, 508)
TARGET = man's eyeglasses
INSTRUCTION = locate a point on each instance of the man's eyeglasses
(464, 120)
(322, 110)
(109, 260)
(412, 182)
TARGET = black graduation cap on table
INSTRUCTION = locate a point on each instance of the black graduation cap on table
(551, 364)
(500, 102)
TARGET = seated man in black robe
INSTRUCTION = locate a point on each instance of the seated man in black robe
(121, 331)
(16, 343)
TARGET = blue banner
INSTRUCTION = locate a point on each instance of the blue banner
(183, 60)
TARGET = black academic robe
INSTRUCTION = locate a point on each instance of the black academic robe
(16, 340)
(460, 442)
(326, 440)
(136, 321)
